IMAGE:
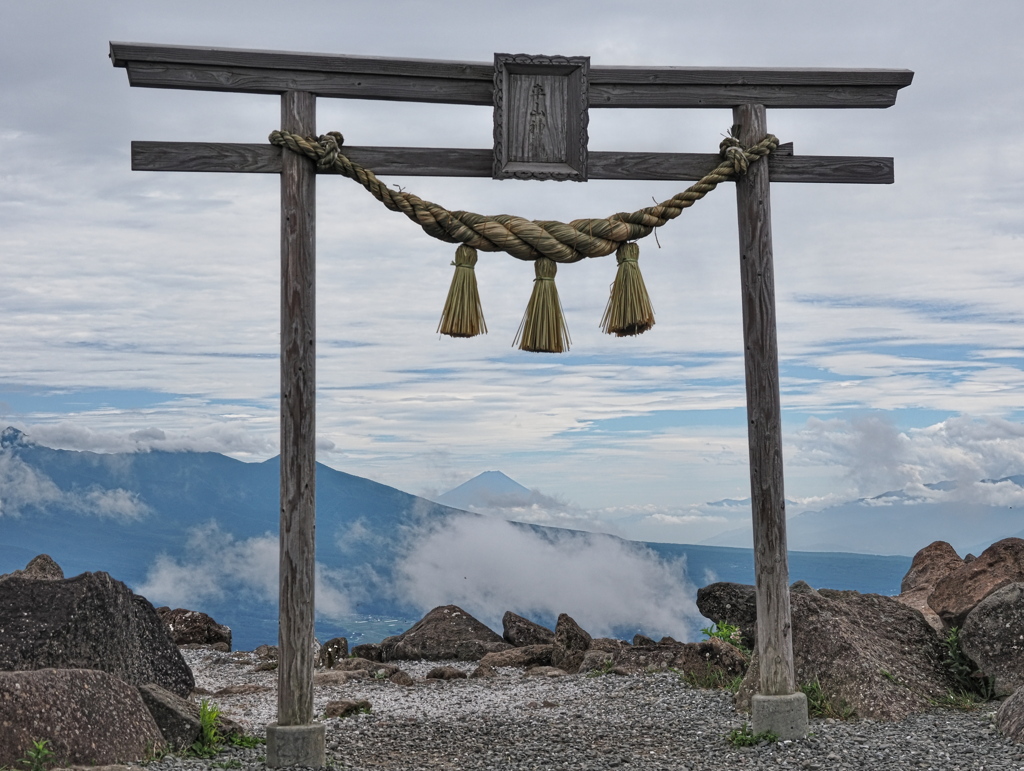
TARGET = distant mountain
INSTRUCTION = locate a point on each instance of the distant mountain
(906, 520)
(487, 490)
(199, 530)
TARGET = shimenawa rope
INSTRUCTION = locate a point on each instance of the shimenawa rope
(628, 312)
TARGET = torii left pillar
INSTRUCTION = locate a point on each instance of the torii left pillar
(295, 740)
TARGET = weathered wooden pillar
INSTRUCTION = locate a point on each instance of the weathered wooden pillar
(764, 432)
(294, 740)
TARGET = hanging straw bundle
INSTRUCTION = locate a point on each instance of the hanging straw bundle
(543, 328)
(463, 315)
(629, 309)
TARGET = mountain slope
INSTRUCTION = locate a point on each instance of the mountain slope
(199, 530)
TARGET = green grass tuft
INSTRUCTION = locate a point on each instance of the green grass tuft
(745, 737)
(38, 757)
(210, 741)
(822, 704)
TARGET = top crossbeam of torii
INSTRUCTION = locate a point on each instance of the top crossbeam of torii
(569, 86)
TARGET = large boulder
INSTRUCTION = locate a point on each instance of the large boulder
(930, 565)
(519, 631)
(88, 717)
(993, 638)
(91, 621)
(1010, 717)
(571, 643)
(41, 568)
(192, 627)
(445, 633)
(734, 604)
(871, 653)
(177, 718)
(956, 595)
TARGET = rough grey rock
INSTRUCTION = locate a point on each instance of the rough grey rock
(700, 659)
(731, 603)
(930, 565)
(88, 716)
(571, 642)
(366, 665)
(993, 638)
(334, 677)
(446, 672)
(369, 651)
(610, 644)
(402, 678)
(596, 661)
(872, 653)
(483, 670)
(346, 707)
(519, 631)
(956, 595)
(1010, 717)
(331, 652)
(91, 621)
(177, 719)
(193, 627)
(266, 652)
(40, 568)
(526, 656)
(446, 633)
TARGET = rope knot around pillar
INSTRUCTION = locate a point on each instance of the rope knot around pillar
(732, 151)
(330, 143)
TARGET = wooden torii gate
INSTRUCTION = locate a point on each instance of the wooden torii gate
(512, 85)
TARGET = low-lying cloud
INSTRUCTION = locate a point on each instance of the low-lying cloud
(219, 566)
(23, 488)
(226, 438)
(488, 566)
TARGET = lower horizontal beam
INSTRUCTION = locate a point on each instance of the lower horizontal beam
(445, 162)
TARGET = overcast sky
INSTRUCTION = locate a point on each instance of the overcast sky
(140, 309)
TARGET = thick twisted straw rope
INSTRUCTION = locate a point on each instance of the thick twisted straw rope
(522, 238)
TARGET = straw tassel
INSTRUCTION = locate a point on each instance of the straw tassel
(463, 315)
(543, 328)
(629, 309)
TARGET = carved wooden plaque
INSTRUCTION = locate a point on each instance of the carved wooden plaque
(540, 117)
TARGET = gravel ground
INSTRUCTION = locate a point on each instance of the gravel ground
(577, 722)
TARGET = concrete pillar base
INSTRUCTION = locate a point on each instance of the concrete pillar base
(296, 745)
(785, 716)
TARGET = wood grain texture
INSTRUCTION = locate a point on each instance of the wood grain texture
(452, 162)
(453, 82)
(764, 416)
(123, 53)
(664, 95)
(331, 84)
(298, 419)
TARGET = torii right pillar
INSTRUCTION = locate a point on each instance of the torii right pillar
(778, 707)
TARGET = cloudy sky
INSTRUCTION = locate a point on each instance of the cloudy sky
(139, 310)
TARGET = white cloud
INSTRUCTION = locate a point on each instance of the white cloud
(489, 566)
(877, 456)
(226, 438)
(218, 565)
(23, 488)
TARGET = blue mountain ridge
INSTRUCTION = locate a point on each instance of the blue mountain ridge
(182, 491)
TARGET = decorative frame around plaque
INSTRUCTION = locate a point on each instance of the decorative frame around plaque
(540, 117)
